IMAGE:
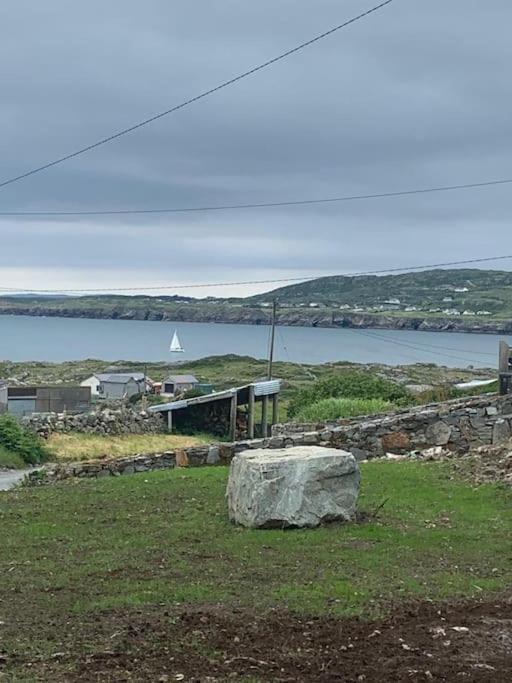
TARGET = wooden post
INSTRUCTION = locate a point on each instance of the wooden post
(232, 418)
(504, 355)
(272, 340)
(264, 417)
(250, 414)
(169, 421)
(275, 409)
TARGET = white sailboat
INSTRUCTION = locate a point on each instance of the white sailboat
(176, 346)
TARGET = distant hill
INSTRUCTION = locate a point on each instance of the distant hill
(437, 300)
(469, 289)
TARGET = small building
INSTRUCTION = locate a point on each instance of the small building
(219, 412)
(118, 385)
(24, 400)
(178, 384)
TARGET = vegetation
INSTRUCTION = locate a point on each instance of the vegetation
(488, 290)
(19, 443)
(77, 555)
(329, 409)
(10, 460)
(356, 385)
(71, 447)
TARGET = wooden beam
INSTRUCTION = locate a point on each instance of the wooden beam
(275, 409)
(232, 418)
(169, 421)
(504, 356)
(264, 417)
(250, 414)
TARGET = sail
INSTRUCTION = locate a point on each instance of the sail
(176, 346)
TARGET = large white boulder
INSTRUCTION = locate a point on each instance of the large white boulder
(292, 487)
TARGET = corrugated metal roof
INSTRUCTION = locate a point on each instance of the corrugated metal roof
(181, 379)
(120, 378)
(267, 388)
(260, 389)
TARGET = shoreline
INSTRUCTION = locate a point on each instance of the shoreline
(326, 319)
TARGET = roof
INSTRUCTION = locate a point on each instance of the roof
(120, 377)
(267, 388)
(181, 379)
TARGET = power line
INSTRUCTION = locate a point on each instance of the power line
(260, 205)
(420, 345)
(202, 95)
(260, 282)
(413, 346)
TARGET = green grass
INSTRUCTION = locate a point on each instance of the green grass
(329, 409)
(163, 538)
(76, 446)
(10, 460)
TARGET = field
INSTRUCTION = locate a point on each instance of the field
(142, 578)
(71, 447)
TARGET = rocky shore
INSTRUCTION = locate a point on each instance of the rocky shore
(246, 315)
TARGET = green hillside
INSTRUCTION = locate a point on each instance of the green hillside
(478, 290)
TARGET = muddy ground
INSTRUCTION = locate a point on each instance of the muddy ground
(464, 641)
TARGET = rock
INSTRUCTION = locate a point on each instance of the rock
(438, 433)
(396, 442)
(500, 432)
(213, 456)
(302, 486)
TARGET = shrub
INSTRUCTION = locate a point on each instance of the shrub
(349, 385)
(20, 441)
(330, 409)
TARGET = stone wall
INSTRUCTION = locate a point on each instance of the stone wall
(457, 425)
(122, 420)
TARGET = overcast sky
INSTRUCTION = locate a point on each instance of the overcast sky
(417, 94)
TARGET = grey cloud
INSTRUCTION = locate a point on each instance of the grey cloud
(415, 95)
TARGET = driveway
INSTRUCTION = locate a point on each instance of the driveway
(9, 478)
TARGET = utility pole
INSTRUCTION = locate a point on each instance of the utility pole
(272, 339)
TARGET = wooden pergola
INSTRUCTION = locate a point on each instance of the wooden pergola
(266, 393)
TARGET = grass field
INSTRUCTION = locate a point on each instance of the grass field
(82, 562)
(71, 447)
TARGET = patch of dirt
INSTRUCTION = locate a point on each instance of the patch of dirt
(457, 641)
(485, 464)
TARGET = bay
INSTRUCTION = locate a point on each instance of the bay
(24, 338)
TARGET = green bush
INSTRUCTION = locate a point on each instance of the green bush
(22, 442)
(349, 385)
(330, 409)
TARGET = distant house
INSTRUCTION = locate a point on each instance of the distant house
(483, 313)
(461, 289)
(447, 299)
(393, 301)
(118, 385)
(345, 307)
(178, 384)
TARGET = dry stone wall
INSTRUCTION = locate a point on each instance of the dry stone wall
(456, 425)
(107, 421)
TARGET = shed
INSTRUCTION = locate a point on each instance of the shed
(227, 403)
(121, 385)
(25, 400)
(177, 384)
